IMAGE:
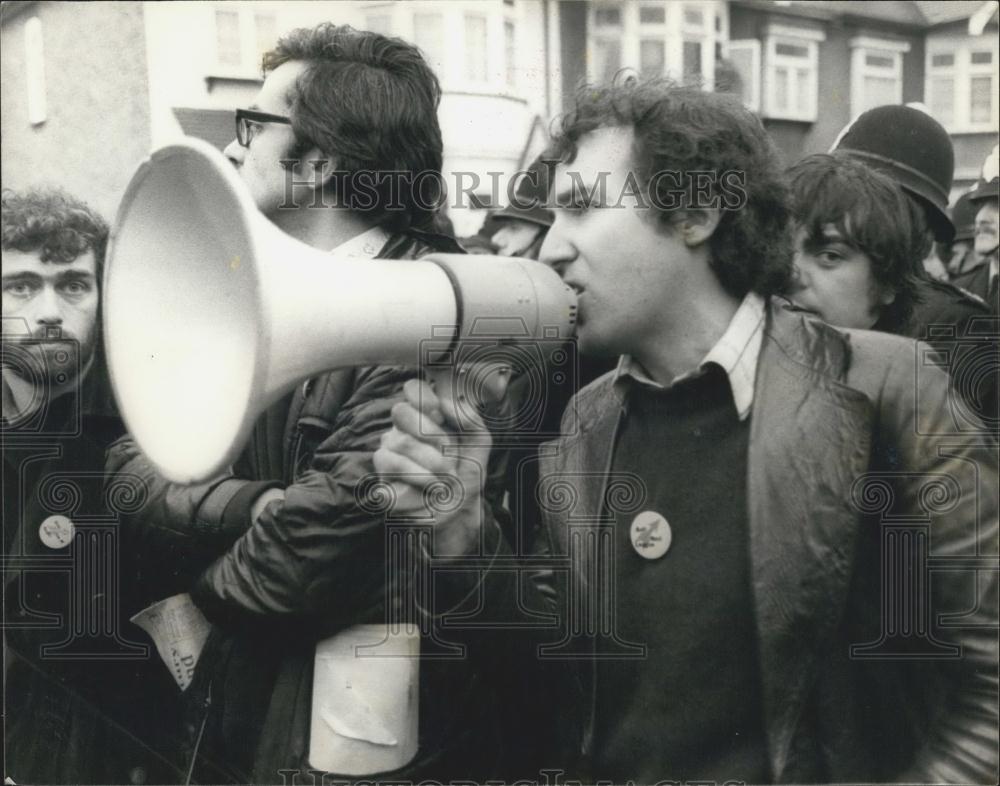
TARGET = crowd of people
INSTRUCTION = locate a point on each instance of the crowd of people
(759, 543)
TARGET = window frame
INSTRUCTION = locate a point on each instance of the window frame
(806, 37)
(962, 71)
(452, 66)
(861, 47)
(483, 56)
(249, 66)
(631, 33)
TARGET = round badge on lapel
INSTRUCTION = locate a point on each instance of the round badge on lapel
(651, 534)
(56, 532)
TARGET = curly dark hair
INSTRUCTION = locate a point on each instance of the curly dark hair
(686, 131)
(59, 225)
(371, 103)
(872, 214)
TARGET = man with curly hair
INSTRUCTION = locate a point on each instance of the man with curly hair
(53, 250)
(71, 680)
(723, 618)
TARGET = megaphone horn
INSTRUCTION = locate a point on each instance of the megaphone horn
(211, 313)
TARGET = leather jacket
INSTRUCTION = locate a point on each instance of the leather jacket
(853, 443)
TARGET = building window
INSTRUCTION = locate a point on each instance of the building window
(428, 35)
(791, 72)
(606, 42)
(607, 17)
(692, 60)
(652, 15)
(241, 39)
(982, 88)
(227, 38)
(744, 56)
(941, 98)
(34, 68)
(653, 37)
(962, 83)
(876, 73)
(697, 43)
(267, 33)
(652, 57)
(472, 46)
(653, 40)
(980, 100)
(475, 48)
(510, 51)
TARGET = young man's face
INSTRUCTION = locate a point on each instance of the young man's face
(626, 269)
(987, 229)
(835, 280)
(259, 164)
(51, 302)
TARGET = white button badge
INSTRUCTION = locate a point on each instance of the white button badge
(56, 532)
(651, 535)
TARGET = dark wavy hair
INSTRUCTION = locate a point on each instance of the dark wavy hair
(53, 222)
(872, 214)
(369, 102)
(685, 130)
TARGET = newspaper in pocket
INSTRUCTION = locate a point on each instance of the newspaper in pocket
(179, 630)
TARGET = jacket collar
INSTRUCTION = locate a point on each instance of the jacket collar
(735, 352)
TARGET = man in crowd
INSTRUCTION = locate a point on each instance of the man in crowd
(282, 553)
(768, 456)
(959, 255)
(913, 149)
(73, 668)
(856, 235)
(982, 280)
(522, 224)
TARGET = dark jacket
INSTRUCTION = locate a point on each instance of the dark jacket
(956, 323)
(311, 566)
(852, 449)
(75, 665)
(942, 305)
(977, 281)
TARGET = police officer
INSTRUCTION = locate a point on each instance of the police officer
(913, 149)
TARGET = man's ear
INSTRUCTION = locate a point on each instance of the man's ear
(315, 167)
(696, 225)
(887, 296)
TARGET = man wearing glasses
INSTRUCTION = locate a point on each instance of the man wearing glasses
(278, 554)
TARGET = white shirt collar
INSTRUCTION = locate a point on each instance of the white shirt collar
(363, 246)
(736, 352)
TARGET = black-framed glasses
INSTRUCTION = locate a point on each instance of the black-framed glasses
(249, 120)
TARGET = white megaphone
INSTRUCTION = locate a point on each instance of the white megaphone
(211, 313)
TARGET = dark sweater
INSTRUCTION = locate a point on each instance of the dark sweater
(692, 708)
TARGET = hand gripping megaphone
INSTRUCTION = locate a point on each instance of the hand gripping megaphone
(211, 313)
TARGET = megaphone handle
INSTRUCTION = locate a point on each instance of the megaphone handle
(465, 392)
